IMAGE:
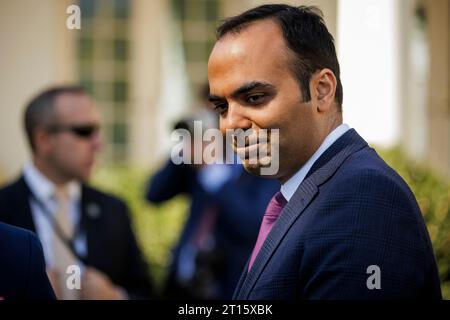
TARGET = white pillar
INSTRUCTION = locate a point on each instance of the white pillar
(438, 24)
(415, 83)
(159, 87)
(370, 69)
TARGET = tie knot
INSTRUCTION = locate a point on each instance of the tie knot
(276, 205)
(61, 194)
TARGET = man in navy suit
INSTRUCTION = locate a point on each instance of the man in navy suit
(344, 225)
(76, 224)
(22, 266)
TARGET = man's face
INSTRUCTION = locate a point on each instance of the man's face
(69, 154)
(253, 88)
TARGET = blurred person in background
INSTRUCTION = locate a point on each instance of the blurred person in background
(76, 224)
(227, 205)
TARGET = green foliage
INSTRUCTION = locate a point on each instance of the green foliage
(433, 195)
(158, 227)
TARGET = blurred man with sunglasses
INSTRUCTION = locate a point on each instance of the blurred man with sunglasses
(84, 232)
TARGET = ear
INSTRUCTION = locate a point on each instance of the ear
(41, 139)
(324, 89)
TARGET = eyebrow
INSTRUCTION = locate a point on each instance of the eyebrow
(243, 89)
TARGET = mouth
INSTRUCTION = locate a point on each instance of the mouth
(253, 151)
(253, 146)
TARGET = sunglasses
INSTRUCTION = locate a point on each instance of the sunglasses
(85, 131)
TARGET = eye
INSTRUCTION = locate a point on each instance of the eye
(255, 98)
(221, 108)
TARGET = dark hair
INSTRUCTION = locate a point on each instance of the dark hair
(305, 33)
(40, 111)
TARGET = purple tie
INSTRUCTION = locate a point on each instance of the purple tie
(273, 211)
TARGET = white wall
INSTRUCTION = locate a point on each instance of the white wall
(33, 47)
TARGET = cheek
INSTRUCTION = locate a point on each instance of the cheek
(61, 147)
(83, 151)
(278, 114)
(72, 150)
(293, 120)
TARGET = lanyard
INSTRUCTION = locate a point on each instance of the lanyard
(57, 229)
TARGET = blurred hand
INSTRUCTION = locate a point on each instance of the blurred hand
(53, 277)
(96, 285)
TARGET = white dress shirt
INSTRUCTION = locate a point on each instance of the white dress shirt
(289, 187)
(44, 190)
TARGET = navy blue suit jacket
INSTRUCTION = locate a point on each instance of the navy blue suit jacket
(22, 266)
(351, 211)
(241, 203)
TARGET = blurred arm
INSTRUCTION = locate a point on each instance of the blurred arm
(170, 181)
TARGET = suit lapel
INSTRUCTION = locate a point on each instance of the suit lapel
(90, 216)
(293, 209)
(241, 281)
(346, 145)
(21, 210)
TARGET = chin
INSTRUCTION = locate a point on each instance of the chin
(255, 169)
(84, 176)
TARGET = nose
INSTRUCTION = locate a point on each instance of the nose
(236, 118)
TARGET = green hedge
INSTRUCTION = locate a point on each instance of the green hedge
(158, 227)
(433, 195)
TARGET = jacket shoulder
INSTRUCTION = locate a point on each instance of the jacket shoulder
(11, 188)
(22, 273)
(368, 166)
(14, 248)
(13, 234)
(102, 197)
(12, 195)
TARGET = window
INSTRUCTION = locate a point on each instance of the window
(103, 54)
(198, 20)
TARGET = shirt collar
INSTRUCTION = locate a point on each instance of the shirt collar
(42, 188)
(289, 187)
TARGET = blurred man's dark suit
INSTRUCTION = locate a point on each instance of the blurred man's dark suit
(22, 266)
(239, 206)
(111, 244)
(350, 212)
